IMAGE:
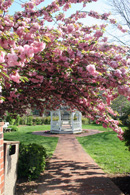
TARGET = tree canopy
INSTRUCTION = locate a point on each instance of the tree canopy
(121, 9)
(68, 63)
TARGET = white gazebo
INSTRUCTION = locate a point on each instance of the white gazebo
(66, 121)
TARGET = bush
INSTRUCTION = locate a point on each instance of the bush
(31, 160)
(85, 121)
(10, 119)
(30, 120)
(37, 121)
(17, 120)
(126, 134)
(13, 127)
(47, 120)
(23, 120)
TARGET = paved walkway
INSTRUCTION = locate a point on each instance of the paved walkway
(73, 172)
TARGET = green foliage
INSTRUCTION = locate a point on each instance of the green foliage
(126, 134)
(124, 117)
(13, 127)
(47, 120)
(38, 121)
(85, 121)
(26, 120)
(23, 120)
(17, 120)
(122, 106)
(29, 120)
(55, 118)
(10, 119)
(31, 160)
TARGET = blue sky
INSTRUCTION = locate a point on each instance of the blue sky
(99, 6)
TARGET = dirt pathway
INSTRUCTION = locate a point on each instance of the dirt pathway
(72, 171)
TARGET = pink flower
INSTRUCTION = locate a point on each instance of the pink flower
(15, 77)
(104, 125)
(12, 59)
(20, 30)
(1, 101)
(38, 46)
(120, 137)
(118, 73)
(29, 50)
(98, 34)
(66, 6)
(91, 69)
(113, 21)
(2, 57)
(70, 28)
(114, 64)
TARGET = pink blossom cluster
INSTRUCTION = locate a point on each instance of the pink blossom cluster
(121, 28)
(2, 56)
(15, 77)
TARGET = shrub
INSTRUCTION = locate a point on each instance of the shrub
(13, 127)
(38, 121)
(47, 120)
(30, 120)
(85, 121)
(31, 160)
(17, 120)
(126, 134)
(23, 120)
(10, 119)
(34, 121)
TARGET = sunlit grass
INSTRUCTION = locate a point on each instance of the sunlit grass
(98, 127)
(108, 151)
(24, 135)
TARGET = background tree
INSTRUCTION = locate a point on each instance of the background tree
(120, 9)
(122, 106)
(126, 135)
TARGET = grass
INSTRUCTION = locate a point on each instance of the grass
(98, 127)
(24, 134)
(108, 151)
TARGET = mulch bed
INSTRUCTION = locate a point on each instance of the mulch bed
(122, 181)
(85, 132)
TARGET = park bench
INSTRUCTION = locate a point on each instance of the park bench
(5, 127)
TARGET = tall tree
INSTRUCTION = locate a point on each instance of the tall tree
(120, 9)
(68, 63)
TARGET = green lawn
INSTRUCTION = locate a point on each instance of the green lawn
(105, 148)
(97, 127)
(108, 151)
(24, 134)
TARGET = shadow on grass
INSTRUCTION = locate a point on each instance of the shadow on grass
(28, 133)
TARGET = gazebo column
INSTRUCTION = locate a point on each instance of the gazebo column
(72, 121)
(51, 119)
(80, 119)
(59, 120)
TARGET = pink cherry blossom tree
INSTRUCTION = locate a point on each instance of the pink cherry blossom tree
(67, 63)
